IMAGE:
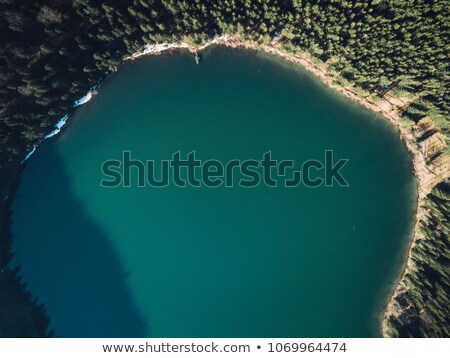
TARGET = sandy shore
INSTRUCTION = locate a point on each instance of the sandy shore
(389, 109)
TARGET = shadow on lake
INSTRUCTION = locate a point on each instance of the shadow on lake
(78, 275)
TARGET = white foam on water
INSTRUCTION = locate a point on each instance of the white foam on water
(30, 153)
(58, 127)
(83, 99)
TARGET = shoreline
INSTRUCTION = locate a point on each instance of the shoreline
(391, 112)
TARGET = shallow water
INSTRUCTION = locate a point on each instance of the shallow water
(222, 262)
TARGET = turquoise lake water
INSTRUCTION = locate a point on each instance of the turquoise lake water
(215, 262)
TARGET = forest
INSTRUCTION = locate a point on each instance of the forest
(53, 52)
(424, 308)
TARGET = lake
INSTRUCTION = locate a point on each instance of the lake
(224, 261)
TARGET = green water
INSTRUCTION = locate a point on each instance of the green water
(223, 262)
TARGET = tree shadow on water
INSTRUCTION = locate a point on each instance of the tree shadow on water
(67, 259)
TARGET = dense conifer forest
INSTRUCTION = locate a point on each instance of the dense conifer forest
(53, 52)
(424, 308)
